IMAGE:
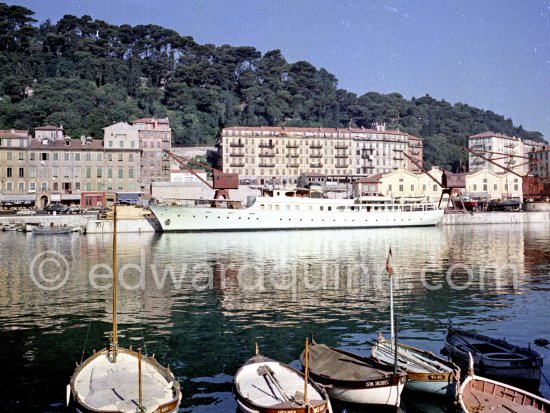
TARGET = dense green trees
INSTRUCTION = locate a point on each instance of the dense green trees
(86, 74)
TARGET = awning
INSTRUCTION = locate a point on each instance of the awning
(55, 198)
(17, 198)
(70, 197)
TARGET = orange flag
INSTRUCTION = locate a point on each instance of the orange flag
(389, 268)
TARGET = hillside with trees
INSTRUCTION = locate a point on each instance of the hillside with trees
(85, 74)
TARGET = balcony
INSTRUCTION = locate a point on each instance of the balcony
(236, 145)
(294, 155)
(316, 146)
(341, 146)
(398, 158)
(266, 155)
(415, 152)
(237, 164)
(316, 155)
(316, 165)
(344, 165)
(365, 156)
(294, 165)
(236, 154)
(341, 156)
(269, 145)
(292, 145)
(267, 164)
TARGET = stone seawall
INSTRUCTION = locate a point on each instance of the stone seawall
(47, 220)
(486, 218)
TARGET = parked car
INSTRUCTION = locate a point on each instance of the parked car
(75, 210)
(57, 208)
(26, 212)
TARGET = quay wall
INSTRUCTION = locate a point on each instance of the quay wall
(46, 220)
(486, 218)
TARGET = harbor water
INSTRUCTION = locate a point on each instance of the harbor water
(200, 301)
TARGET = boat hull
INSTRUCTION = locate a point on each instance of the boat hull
(255, 393)
(439, 377)
(495, 358)
(87, 391)
(480, 394)
(377, 386)
(181, 218)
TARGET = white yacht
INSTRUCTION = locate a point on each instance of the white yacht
(297, 209)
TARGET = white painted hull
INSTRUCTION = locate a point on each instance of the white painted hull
(423, 369)
(388, 395)
(181, 218)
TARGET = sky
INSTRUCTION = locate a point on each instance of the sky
(493, 55)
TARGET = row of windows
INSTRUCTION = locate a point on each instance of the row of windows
(70, 172)
(67, 186)
(352, 208)
(69, 156)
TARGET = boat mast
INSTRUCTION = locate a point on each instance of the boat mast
(114, 336)
(389, 269)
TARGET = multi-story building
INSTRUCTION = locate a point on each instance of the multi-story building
(56, 168)
(510, 152)
(541, 164)
(154, 136)
(264, 154)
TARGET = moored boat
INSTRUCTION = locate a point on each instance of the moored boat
(51, 230)
(479, 394)
(495, 358)
(263, 385)
(297, 210)
(354, 379)
(116, 379)
(426, 372)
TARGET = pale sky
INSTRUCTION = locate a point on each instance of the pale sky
(494, 55)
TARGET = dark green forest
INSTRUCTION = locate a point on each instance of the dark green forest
(86, 74)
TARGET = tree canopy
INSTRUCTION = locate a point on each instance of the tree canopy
(86, 74)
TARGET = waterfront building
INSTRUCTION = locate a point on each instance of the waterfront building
(56, 168)
(505, 150)
(542, 166)
(498, 186)
(267, 154)
(155, 136)
(403, 184)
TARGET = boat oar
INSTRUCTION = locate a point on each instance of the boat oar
(267, 373)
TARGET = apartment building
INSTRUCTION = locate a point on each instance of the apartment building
(154, 136)
(263, 154)
(510, 152)
(541, 164)
(52, 167)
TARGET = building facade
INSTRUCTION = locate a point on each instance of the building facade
(56, 168)
(154, 136)
(510, 152)
(264, 154)
(541, 164)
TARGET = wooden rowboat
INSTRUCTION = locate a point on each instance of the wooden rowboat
(494, 358)
(354, 379)
(263, 385)
(103, 385)
(479, 394)
(116, 379)
(426, 372)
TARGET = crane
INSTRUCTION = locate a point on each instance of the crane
(534, 187)
(221, 181)
(450, 183)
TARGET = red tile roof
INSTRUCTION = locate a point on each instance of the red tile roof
(285, 129)
(373, 179)
(12, 135)
(492, 134)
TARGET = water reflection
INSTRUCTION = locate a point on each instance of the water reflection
(200, 301)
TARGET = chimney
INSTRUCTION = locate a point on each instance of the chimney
(82, 139)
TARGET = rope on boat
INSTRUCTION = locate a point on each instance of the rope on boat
(547, 382)
(85, 342)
